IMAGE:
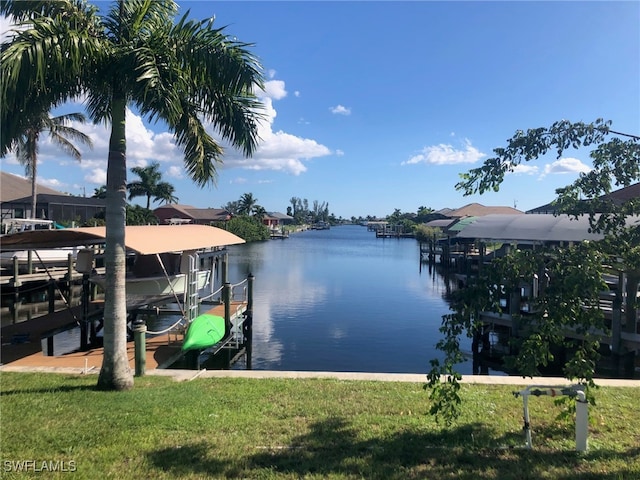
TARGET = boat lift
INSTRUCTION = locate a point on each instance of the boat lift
(582, 414)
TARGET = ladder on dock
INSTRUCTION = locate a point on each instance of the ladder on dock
(192, 304)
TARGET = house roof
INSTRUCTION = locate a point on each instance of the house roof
(619, 196)
(279, 216)
(13, 187)
(189, 212)
(533, 228)
(440, 223)
(208, 213)
(61, 199)
(144, 239)
(477, 210)
(625, 194)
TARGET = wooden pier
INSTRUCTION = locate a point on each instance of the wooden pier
(22, 342)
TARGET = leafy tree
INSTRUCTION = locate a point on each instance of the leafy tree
(248, 228)
(570, 277)
(426, 234)
(179, 72)
(60, 133)
(137, 215)
(150, 185)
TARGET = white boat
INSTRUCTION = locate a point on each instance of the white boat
(39, 258)
(152, 278)
(167, 261)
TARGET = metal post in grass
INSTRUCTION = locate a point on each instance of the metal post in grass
(140, 347)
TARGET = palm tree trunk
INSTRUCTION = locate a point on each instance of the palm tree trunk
(148, 201)
(34, 195)
(115, 373)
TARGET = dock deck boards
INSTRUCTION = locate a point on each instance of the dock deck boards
(160, 349)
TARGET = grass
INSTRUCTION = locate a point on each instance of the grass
(278, 428)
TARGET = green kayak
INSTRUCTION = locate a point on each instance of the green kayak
(205, 331)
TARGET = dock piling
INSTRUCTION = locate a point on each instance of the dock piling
(140, 347)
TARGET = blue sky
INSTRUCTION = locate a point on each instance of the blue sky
(374, 106)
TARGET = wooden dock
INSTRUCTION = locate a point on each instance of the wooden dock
(161, 350)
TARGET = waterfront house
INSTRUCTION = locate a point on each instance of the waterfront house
(187, 214)
(276, 220)
(15, 202)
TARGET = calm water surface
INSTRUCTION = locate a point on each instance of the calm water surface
(342, 300)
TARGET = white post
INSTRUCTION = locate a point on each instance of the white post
(527, 424)
(582, 421)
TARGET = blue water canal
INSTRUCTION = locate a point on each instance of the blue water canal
(342, 300)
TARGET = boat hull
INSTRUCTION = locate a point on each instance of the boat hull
(149, 290)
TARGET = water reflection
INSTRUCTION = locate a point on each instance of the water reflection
(342, 300)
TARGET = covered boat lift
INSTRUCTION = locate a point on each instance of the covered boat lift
(143, 240)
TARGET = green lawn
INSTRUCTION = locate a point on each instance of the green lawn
(277, 428)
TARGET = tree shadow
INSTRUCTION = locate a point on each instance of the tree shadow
(195, 458)
(472, 451)
(332, 447)
(56, 389)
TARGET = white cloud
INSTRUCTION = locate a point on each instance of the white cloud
(98, 176)
(175, 171)
(446, 154)
(565, 165)
(339, 153)
(296, 93)
(277, 150)
(239, 180)
(273, 89)
(340, 110)
(51, 182)
(524, 170)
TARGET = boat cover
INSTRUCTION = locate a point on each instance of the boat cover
(532, 228)
(144, 239)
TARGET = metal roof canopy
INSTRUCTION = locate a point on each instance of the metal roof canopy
(144, 239)
(532, 228)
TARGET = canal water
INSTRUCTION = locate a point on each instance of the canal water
(334, 300)
(342, 300)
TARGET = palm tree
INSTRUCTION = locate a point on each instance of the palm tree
(182, 73)
(61, 134)
(145, 187)
(150, 185)
(100, 192)
(247, 202)
(258, 212)
(165, 193)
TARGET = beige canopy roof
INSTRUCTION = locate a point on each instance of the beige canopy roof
(147, 239)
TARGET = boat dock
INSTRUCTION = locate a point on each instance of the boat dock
(22, 342)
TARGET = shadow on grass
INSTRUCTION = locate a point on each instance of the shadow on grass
(332, 448)
(466, 452)
(198, 458)
(56, 389)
